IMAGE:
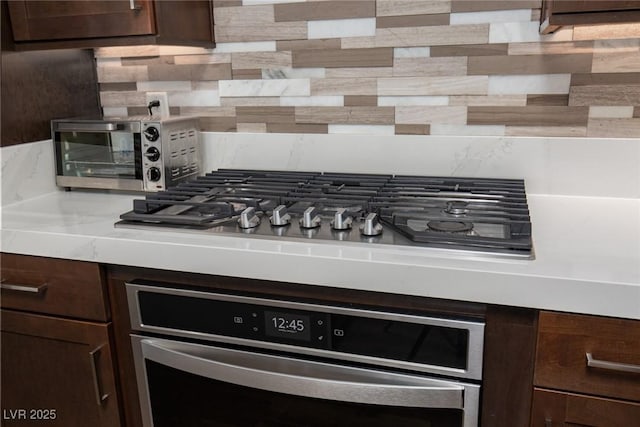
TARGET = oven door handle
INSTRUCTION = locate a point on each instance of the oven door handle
(305, 378)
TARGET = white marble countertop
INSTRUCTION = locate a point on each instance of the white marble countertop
(587, 253)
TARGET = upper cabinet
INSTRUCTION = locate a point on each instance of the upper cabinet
(558, 13)
(90, 23)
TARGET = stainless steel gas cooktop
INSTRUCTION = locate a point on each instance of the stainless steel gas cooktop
(473, 215)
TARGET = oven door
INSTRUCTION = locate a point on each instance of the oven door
(98, 154)
(183, 383)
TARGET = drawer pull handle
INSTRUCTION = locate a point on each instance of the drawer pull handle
(23, 288)
(612, 366)
(93, 358)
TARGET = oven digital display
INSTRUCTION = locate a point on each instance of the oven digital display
(287, 325)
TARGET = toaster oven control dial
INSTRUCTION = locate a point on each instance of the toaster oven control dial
(154, 174)
(151, 133)
(153, 154)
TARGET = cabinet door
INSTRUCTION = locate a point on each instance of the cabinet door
(56, 372)
(79, 19)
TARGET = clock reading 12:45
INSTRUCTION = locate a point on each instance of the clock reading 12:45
(287, 325)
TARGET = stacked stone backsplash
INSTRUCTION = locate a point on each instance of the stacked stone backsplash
(439, 67)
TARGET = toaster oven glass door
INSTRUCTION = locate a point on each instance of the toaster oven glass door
(96, 154)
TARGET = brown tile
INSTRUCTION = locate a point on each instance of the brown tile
(541, 48)
(471, 50)
(250, 101)
(308, 44)
(413, 86)
(252, 127)
(528, 116)
(529, 64)
(114, 87)
(479, 6)
(137, 111)
(617, 62)
(412, 20)
(376, 57)
(489, 100)
(344, 86)
(261, 32)
(227, 3)
(614, 128)
(611, 31)
(346, 115)
(192, 72)
(148, 60)
(437, 35)
(265, 114)
(358, 72)
(412, 129)
(248, 60)
(174, 111)
(557, 100)
(123, 99)
(297, 128)
(311, 11)
(244, 16)
(218, 124)
(208, 111)
(246, 74)
(411, 7)
(604, 95)
(442, 66)
(636, 112)
(588, 79)
(360, 101)
(134, 73)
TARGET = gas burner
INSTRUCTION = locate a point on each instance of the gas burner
(456, 208)
(450, 226)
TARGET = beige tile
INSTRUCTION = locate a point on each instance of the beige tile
(205, 85)
(377, 57)
(618, 62)
(147, 60)
(412, 129)
(445, 66)
(252, 60)
(528, 116)
(463, 85)
(218, 124)
(490, 100)
(586, 79)
(208, 111)
(440, 35)
(123, 99)
(611, 112)
(297, 128)
(360, 72)
(431, 114)
(636, 112)
(345, 115)
(245, 15)
(411, 7)
(213, 58)
(610, 31)
(261, 32)
(265, 114)
(252, 127)
(412, 20)
(493, 49)
(484, 5)
(614, 128)
(529, 64)
(542, 48)
(361, 101)
(570, 131)
(134, 73)
(310, 11)
(557, 100)
(190, 72)
(308, 44)
(226, 3)
(344, 86)
(126, 51)
(604, 95)
(250, 101)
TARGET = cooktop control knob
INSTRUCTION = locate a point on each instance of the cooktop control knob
(153, 154)
(154, 174)
(310, 219)
(371, 226)
(248, 218)
(280, 216)
(151, 133)
(341, 220)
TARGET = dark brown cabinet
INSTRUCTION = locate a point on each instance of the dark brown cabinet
(587, 371)
(90, 23)
(57, 363)
(558, 13)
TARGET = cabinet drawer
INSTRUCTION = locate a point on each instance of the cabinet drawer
(557, 409)
(565, 340)
(53, 286)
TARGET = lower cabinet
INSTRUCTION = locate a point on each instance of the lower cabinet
(56, 372)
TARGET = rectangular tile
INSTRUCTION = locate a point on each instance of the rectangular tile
(362, 129)
(617, 62)
(226, 3)
(262, 32)
(528, 116)
(114, 87)
(245, 15)
(345, 115)
(466, 130)
(420, 36)
(194, 98)
(308, 44)
(123, 99)
(479, 17)
(344, 86)
(212, 58)
(361, 27)
(412, 100)
(411, 7)
(310, 11)
(636, 112)
(243, 88)
(431, 115)
(250, 101)
(470, 50)
(312, 101)
(412, 20)
(208, 111)
(478, 6)
(239, 74)
(604, 95)
(444, 66)
(520, 32)
(558, 131)
(533, 84)
(529, 64)
(249, 60)
(557, 100)
(611, 112)
(190, 72)
(116, 111)
(126, 51)
(147, 60)
(264, 46)
(204, 85)
(218, 124)
(412, 129)
(613, 128)
(463, 85)
(617, 45)
(586, 79)
(358, 72)
(361, 101)
(122, 74)
(297, 128)
(411, 52)
(610, 31)
(542, 48)
(252, 127)
(489, 100)
(293, 73)
(265, 114)
(164, 86)
(376, 57)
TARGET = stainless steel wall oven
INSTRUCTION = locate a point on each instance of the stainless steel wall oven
(206, 358)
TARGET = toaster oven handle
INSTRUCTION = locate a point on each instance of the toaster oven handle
(305, 378)
(88, 127)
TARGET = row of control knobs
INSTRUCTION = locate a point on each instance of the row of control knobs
(152, 154)
(310, 219)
